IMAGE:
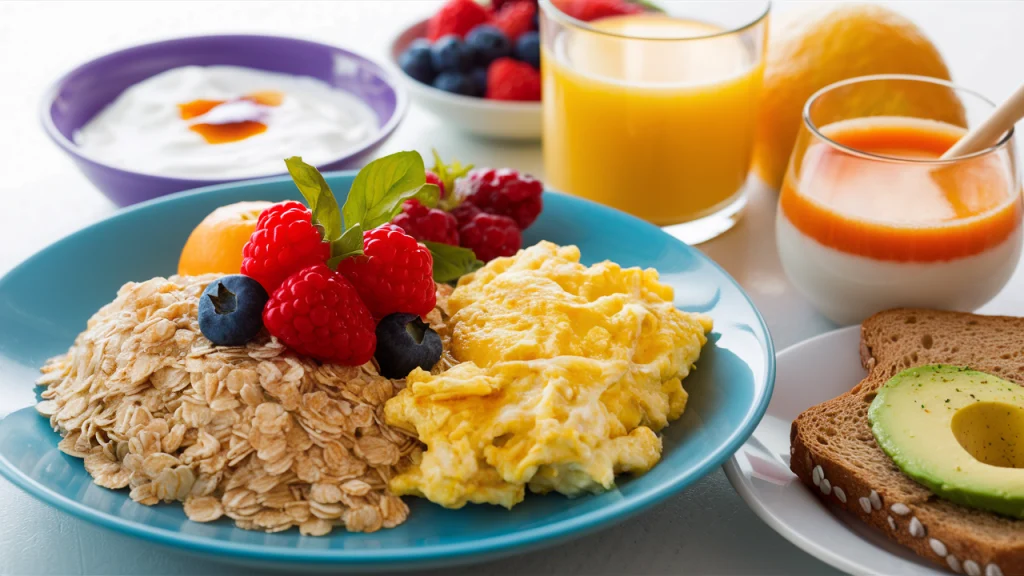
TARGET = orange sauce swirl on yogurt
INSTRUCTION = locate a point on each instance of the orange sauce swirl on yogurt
(229, 131)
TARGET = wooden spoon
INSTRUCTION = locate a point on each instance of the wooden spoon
(988, 132)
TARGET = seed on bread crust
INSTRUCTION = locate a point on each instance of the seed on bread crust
(826, 487)
(916, 528)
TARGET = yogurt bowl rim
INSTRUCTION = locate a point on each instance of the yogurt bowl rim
(69, 146)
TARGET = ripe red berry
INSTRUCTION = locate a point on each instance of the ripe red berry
(284, 242)
(509, 79)
(428, 224)
(505, 192)
(393, 274)
(317, 312)
(490, 236)
(588, 10)
(436, 181)
(498, 4)
(456, 17)
(515, 19)
(464, 213)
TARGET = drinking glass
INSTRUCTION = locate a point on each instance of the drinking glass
(654, 113)
(870, 217)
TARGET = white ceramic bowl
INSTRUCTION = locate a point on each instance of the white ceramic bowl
(479, 116)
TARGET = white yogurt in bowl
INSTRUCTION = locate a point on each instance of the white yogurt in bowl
(224, 122)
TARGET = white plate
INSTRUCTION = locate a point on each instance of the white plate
(807, 374)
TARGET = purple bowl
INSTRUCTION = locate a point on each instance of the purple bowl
(78, 96)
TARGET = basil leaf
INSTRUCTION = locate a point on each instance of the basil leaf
(350, 243)
(380, 188)
(428, 195)
(451, 262)
(318, 195)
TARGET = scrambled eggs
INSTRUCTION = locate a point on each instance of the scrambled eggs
(566, 374)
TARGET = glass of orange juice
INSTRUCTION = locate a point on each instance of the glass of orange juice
(870, 217)
(653, 113)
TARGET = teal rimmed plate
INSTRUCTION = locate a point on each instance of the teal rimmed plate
(45, 302)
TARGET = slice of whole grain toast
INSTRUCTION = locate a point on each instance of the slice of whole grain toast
(833, 451)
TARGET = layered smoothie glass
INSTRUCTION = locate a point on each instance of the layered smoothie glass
(870, 217)
(654, 113)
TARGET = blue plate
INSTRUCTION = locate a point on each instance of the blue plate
(45, 302)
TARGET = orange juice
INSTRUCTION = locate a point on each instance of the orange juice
(884, 209)
(650, 114)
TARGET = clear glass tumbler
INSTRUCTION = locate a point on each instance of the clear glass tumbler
(871, 217)
(654, 113)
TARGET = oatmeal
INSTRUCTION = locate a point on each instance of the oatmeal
(268, 438)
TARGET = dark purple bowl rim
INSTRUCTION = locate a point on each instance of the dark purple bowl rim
(49, 95)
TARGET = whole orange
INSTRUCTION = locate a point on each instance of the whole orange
(810, 49)
(215, 246)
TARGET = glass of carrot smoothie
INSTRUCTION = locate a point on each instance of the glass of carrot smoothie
(653, 113)
(871, 218)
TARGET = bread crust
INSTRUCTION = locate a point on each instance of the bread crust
(836, 436)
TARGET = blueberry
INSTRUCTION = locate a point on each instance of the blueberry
(489, 43)
(528, 49)
(416, 61)
(449, 54)
(479, 76)
(405, 342)
(455, 83)
(231, 310)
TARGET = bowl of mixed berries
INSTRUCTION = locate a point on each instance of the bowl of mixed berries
(477, 65)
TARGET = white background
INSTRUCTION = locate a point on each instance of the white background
(705, 530)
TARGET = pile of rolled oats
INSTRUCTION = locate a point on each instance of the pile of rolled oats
(259, 434)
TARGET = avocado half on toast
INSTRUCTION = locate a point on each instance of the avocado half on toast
(929, 447)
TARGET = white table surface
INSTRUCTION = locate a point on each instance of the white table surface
(705, 530)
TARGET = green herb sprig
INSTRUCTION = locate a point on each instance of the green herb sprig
(376, 197)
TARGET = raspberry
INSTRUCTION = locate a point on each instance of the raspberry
(317, 312)
(284, 242)
(490, 236)
(498, 4)
(436, 181)
(509, 79)
(588, 10)
(429, 224)
(515, 19)
(456, 17)
(505, 192)
(393, 274)
(464, 213)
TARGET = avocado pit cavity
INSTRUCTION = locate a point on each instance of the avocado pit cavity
(992, 432)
